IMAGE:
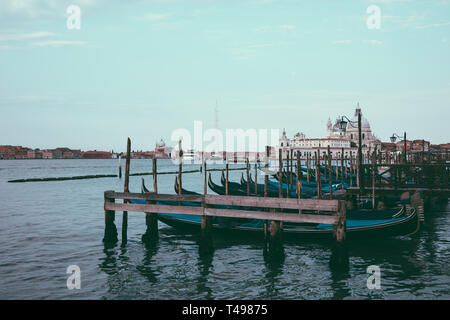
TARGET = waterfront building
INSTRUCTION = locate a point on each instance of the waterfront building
(338, 139)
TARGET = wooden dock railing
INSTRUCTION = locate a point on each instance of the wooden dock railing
(263, 209)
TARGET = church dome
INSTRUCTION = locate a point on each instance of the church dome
(364, 122)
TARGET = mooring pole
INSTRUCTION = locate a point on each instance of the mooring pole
(266, 182)
(125, 189)
(330, 173)
(342, 169)
(287, 175)
(155, 177)
(120, 167)
(299, 179)
(307, 167)
(339, 256)
(205, 185)
(360, 158)
(280, 177)
(248, 175)
(256, 179)
(317, 175)
(206, 239)
(180, 166)
(226, 178)
(266, 174)
(110, 236)
(291, 170)
(404, 154)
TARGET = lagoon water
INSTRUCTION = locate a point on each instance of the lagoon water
(47, 226)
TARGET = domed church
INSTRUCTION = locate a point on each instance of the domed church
(350, 132)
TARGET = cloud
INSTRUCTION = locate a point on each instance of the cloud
(156, 16)
(434, 25)
(25, 36)
(373, 42)
(341, 41)
(58, 43)
(279, 28)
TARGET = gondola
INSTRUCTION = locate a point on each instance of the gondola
(352, 215)
(273, 191)
(233, 190)
(356, 229)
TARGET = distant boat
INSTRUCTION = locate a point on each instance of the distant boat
(190, 156)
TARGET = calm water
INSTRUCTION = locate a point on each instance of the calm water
(47, 226)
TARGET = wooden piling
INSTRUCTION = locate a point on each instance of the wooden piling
(307, 167)
(110, 235)
(205, 184)
(299, 179)
(374, 160)
(180, 166)
(291, 168)
(120, 167)
(155, 176)
(125, 189)
(256, 179)
(266, 174)
(280, 176)
(330, 173)
(247, 169)
(287, 175)
(339, 231)
(342, 169)
(316, 166)
(226, 178)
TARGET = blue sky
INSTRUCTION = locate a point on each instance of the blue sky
(145, 68)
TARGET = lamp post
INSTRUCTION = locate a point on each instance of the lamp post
(394, 138)
(343, 126)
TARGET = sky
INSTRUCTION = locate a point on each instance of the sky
(145, 68)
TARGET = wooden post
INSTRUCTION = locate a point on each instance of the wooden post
(316, 165)
(291, 168)
(266, 182)
(280, 177)
(360, 159)
(340, 226)
(404, 153)
(330, 173)
(275, 246)
(339, 257)
(374, 167)
(155, 176)
(256, 179)
(205, 185)
(120, 167)
(180, 166)
(125, 189)
(299, 178)
(110, 236)
(307, 167)
(351, 169)
(206, 226)
(266, 175)
(248, 175)
(342, 169)
(337, 168)
(226, 178)
(287, 175)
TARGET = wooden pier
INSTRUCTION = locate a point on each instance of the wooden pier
(376, 177)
